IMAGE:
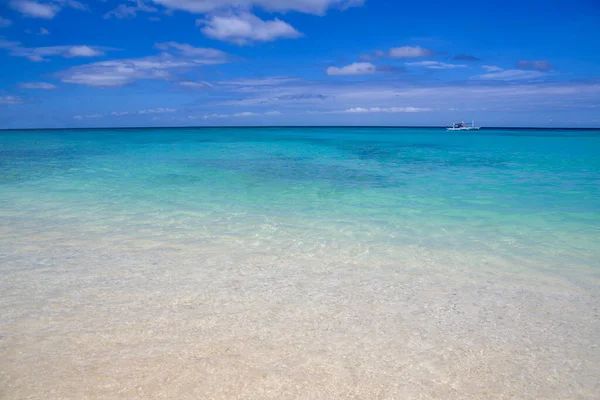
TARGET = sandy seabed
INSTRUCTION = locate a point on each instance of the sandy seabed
(97, 317)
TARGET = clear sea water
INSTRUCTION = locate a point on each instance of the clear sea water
(299, 263)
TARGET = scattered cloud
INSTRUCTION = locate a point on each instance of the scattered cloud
(398, 52)
(409, 52)
(45, 9)
(8, 44)
(187, 50)
(10, 100)
(116, 73)
(82, 51)
(372, 57)
(275, 80)
(124, 113)
(500, 74)
(44, 31)
(358, 68)
(87, 116)
(71, 3)
(434, 65)
(34, 9)
(157, 111)
(540, 65)
(512, 75)
(245, 28)
(130, 11)
(318, 7)
(5, 22)
(387, 93)
(238, 115)
(300, 96)
(242, 115)
(361, 110)
(274, 95)
(40, 53)
(37, 85)
(390, 69)
(465, 57)
(491, 68)
(196, 85)
(380, 97)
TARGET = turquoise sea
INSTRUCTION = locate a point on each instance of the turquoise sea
(300, 263)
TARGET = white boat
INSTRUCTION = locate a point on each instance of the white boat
(461, 126)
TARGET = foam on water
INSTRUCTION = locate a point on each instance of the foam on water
(309, 263)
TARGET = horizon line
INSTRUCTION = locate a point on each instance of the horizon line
(293, 127)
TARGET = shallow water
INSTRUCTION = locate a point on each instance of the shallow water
(299, 263)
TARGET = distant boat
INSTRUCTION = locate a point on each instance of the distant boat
(461, 126)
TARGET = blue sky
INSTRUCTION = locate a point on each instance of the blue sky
(106, 63)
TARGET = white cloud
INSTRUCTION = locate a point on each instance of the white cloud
(44, 31)
(70, 3)
(45, 9)
(5, 22)
(335, 95)
(435, 65)
(122, 11)
(34, 9)
(491, 68)
(237, 115)
(157, 111)
(187, 50)
(499, 74)
(129, 11)
(115, 73)
(245, 28)
(512, 75)
(318, 7)
(37, 85)
(150, 111)
(39, 53)
(196, 85)
(274, 80)
(359, 68)
(398, 52)
(361, 110)
(8, 44)
(10, 100)
(87, 116)
(409, 52)
(539, 65)
(273, 113)
(83, 51)
(372, 57)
